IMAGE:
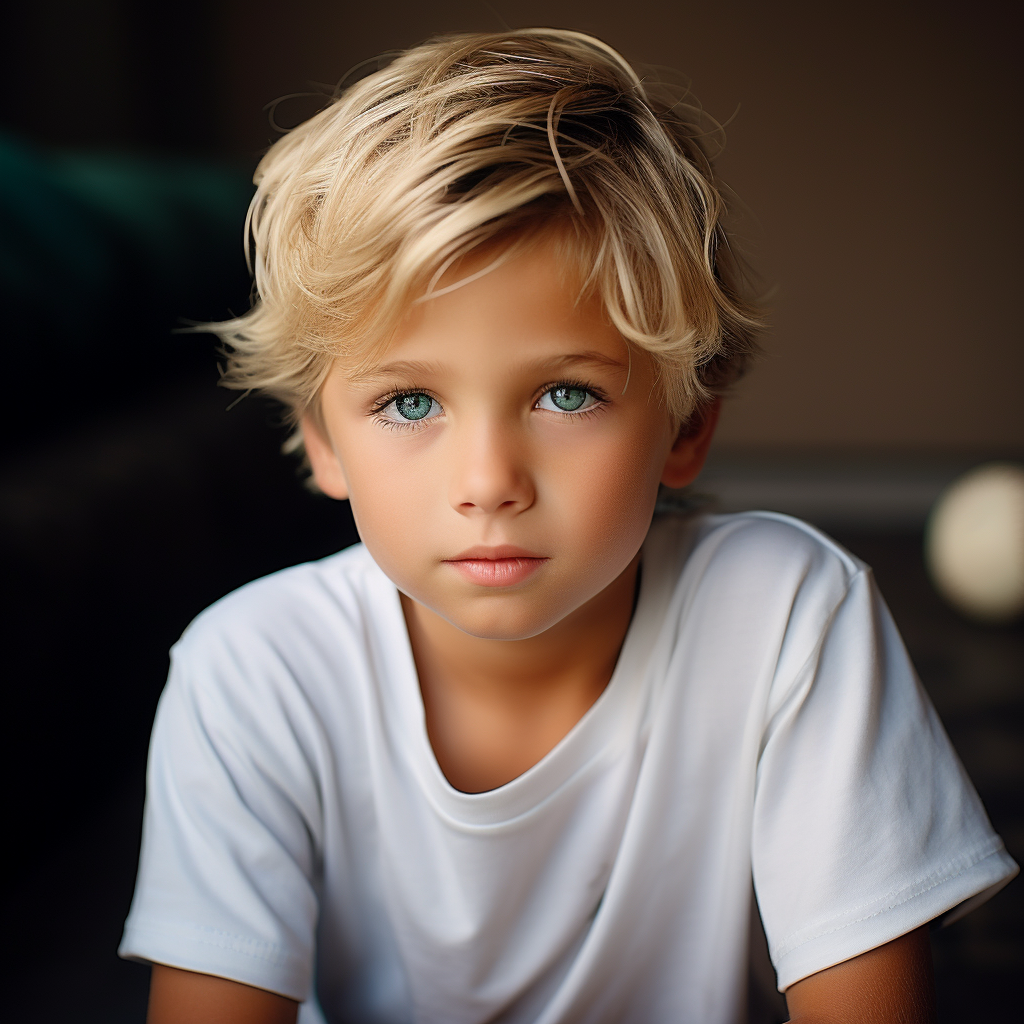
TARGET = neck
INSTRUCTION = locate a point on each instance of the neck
(496, 707)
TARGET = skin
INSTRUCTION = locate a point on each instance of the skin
(185, 997)
(892, 984)
(507, 671)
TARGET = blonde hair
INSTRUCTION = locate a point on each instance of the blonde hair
(471, 138)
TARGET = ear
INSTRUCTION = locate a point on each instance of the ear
(327, 471)
(686, 459)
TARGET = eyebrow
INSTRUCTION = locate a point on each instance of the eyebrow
(415, 368)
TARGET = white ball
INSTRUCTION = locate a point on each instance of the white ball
(974, 543)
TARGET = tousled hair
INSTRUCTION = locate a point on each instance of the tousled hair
(470, 139)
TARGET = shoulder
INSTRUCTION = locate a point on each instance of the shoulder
(298, 631)
(774, 538)
(753, 585)
(756, 551)
(303, 597)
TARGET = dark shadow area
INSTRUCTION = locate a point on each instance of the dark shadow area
(115, 538)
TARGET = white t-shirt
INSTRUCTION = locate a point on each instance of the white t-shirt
(763, 718)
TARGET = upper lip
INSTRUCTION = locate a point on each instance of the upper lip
(481, 552)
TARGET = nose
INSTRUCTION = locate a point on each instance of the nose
(491, 471)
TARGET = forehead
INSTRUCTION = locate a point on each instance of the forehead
(511, 307)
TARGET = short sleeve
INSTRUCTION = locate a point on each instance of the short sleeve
(225, 884)
(865, 823)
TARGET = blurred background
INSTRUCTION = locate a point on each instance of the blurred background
(876, 148)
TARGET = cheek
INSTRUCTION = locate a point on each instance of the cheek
(393, 495)
(390, 536)
(605, 490)
(615, 463)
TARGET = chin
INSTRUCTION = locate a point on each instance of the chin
(502, 623)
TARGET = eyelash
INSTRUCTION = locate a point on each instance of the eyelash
(384, 401)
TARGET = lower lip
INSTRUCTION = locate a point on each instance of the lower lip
(497, 572)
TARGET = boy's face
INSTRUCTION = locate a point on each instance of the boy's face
(501, 470)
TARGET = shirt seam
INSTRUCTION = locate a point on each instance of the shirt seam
(893, 900)
(262, 951)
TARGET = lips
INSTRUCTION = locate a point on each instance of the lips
(501, 566)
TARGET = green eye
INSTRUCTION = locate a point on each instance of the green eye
(567, 398)
(404, 410)
(413, 407)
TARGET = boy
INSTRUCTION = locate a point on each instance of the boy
(518, 756)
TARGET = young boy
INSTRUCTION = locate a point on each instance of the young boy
(519, 755)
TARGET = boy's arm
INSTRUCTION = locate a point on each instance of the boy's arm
(892, 984)
(176, 996)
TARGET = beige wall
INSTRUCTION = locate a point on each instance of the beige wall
(878, 151)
